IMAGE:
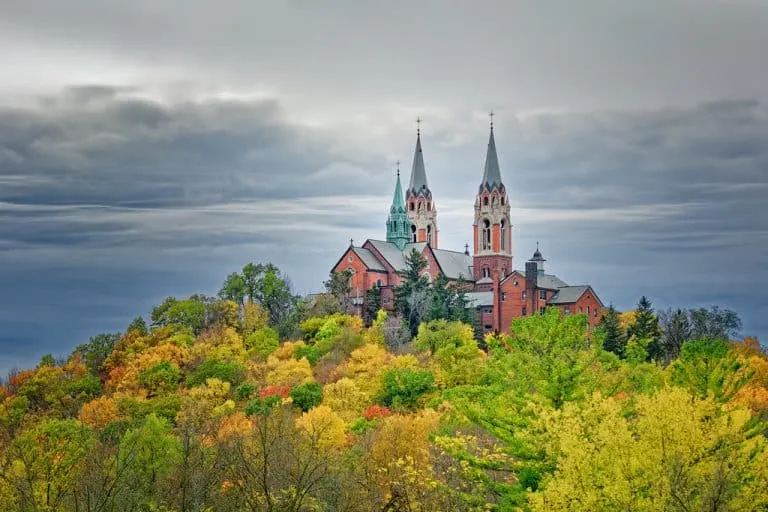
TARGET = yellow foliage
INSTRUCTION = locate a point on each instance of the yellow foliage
(235, 426)
(322, 427)
(678, 449)
(99, 413)
(627, 319)
(224, 344)
(255, 317)
(365, 366)
(374, 335)
(286, 350)
(345, 398)
(138, 362)
(289, 372)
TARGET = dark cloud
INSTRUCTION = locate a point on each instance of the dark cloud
(111, 201)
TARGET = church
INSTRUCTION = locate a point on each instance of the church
(499, 291)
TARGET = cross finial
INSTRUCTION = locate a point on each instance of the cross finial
(491, 114)
(466, 249)
(398, 168)
(351, 242)
(537, 245)
(418, 126)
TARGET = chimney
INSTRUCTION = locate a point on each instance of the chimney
(531, 275)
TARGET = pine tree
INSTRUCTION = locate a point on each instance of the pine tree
(614, 337)
(646, 327)
(412, 296)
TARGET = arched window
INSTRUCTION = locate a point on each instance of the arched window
(502, 201)
(413, 233)
(495, 200)
(429, 234)
(486, 234)
(503, 233)
(412, 206)
(486, 272)
(429, 207)
(485, 201)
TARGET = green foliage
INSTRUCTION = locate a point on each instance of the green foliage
(139, 326)
(244, 391)
(161, 378)
(262, 406)
(646, 328)
(189, 313)
(262, 342)
(613, 337)
(306, 396)
(707, 367)
(96, 351)
(402, 387)
(227, 371)
(412, 295)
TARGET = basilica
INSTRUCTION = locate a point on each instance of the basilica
(500, 292)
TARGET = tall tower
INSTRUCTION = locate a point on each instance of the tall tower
(492, 228)
(398, 223)
(418, 199)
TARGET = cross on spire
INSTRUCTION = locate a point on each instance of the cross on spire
(351, 242)
(491, 114)
(418, 126)
(398, 168)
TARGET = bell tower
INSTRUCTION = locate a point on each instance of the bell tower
(492, 257)
(418, 199)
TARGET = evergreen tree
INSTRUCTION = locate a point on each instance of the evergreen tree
(411, 297)
(440, 299)
(646, 327)
(371, 304)
(614, 337)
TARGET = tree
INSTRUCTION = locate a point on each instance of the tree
(339, 285)
(614, 337)
(402, 387)
(715, 323)
(96, 351)
(189, 313)
(371, 304)
(646, 329)
(412, 296)
(676, 330)
(234, 288)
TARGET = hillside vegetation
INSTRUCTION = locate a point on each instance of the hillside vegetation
(264, 402)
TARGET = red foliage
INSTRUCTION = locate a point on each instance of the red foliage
(16, 379)
(274, 390)
(376, 411)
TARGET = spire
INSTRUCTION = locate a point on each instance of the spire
(491, 173)
(418, 184)
(397, 201)
(398, 223)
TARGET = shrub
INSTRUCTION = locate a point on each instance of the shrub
(262, 342)
(231, 372)
(244, 391)
(402, 387)
(307, 395)
(160, 378)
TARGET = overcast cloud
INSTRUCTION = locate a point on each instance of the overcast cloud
(149, 148)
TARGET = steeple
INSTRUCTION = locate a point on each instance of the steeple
(418, 184)
(398, 223)
(492, 226)
(491, 173)
(418, 198)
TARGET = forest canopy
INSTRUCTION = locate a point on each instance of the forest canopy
(260, 400)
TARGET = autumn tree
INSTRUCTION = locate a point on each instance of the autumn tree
(412, 295)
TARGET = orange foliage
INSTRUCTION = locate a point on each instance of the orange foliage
(234, 426)
(376, 411)
(268, 391)
(99, 413)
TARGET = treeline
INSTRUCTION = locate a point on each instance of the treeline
(260, 400)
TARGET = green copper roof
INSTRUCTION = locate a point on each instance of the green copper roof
(398, 223)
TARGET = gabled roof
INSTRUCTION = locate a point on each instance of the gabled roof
(548, 281)
(369, 259)
(492, 172)
(393, 255)
(570, 294)
(454, 264)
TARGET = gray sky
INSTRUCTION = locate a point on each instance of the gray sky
(148, 148)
